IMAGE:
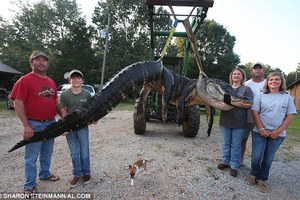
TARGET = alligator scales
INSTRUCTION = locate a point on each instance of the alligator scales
(150, 74)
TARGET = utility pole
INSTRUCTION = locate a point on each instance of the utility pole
(105, 50)
(295, 92)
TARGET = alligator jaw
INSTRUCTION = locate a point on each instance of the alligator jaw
(212, 91)
(207, 98)
(241, 103)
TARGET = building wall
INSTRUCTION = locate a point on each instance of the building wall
(296, 94)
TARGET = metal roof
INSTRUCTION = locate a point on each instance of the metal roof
(7, 69)
(293, 84)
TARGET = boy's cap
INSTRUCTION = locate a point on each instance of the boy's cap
(38, 53)
(75, 71)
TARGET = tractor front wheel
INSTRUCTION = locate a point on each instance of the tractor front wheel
(191, 123)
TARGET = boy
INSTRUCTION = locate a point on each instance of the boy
(78, 140)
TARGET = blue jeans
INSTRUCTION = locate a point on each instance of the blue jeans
(231, 146)
(263, 152)
(78, 142)
(41, 149)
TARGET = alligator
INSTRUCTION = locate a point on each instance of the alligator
(146, 74)
(186, 93)
(181, 90)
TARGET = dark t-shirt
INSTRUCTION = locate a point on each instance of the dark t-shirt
(73, 101)
(236, 117)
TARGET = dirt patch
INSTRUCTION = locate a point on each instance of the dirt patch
(181, 168)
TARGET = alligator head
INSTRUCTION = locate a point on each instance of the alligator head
(214, 92)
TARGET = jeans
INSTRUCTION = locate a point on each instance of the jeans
(263, 152)
(231, 146)
(41, 149)
(78, 142)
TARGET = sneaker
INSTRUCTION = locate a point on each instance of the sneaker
(251, 180)
(222, 166)
(233, 172)
(86, 179)
(261, 186)
(74, 182)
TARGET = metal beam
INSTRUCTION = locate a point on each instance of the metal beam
(192, 3)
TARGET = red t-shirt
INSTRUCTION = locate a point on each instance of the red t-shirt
(38, 94)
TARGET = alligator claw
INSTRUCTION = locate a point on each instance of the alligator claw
(227, 99)
(179, 119)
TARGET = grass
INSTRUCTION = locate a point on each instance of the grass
(4, 112)
(292, 131)
(291, 141)
(286, 151)
(125, 105)
(2, 104)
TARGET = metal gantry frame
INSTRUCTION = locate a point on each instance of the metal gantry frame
(202, 7)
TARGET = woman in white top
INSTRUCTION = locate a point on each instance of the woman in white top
(273, 111)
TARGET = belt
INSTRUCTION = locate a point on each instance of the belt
(45, 120)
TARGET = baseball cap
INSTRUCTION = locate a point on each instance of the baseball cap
(37, 54)
(258, 64)
(75, 71)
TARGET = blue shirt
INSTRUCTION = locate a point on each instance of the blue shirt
(272, 109)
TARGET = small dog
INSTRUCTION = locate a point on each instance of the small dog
(139, 165)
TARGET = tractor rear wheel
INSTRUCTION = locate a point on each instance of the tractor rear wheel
(191, 123)
(140, 126)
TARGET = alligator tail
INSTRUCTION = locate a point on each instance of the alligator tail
(122, 84)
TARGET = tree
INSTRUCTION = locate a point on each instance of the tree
(268, 69)
(54, 26)
(216, 45)
(215, 49)
(129, 37)
(293, 76)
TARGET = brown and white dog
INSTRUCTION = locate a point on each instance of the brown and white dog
(139, 165)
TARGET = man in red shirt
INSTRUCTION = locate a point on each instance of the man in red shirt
(36, 105)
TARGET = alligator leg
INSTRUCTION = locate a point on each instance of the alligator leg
(142, 100)
(168, 83)
(210, 112)
(186, 88)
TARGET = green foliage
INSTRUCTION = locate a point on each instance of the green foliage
(294, 129)
(247, 67)
(216, 49)
(56, 27)
(293, 76)
(128, 36)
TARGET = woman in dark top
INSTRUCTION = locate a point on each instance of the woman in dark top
(233, 124)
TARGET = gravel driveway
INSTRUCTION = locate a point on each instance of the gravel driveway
(180, 168)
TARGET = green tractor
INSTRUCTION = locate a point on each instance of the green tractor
(179, 65)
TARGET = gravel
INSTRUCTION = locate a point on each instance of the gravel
(180, 168)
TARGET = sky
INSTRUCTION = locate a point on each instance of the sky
(266, 31)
